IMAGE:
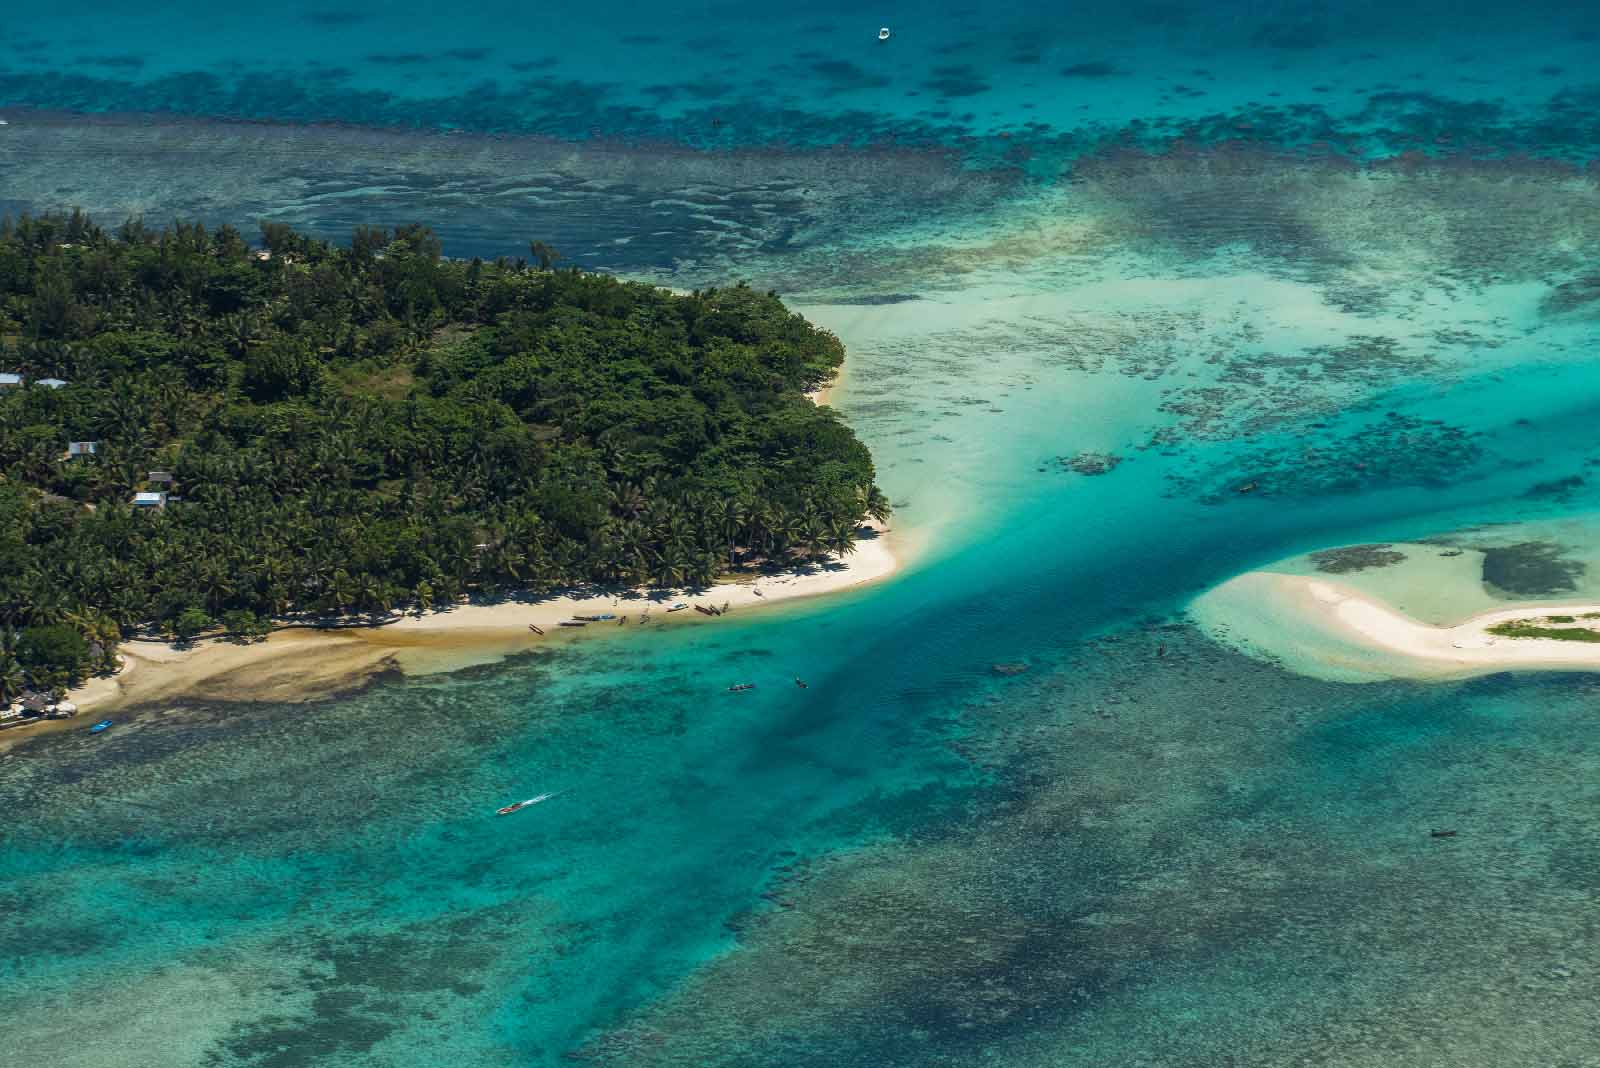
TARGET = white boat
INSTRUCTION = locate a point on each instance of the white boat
(680, 606)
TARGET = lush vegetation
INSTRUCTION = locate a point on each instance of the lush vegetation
(352, 430)
(1521, 628)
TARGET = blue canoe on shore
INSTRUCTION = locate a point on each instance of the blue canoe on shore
(98, 727)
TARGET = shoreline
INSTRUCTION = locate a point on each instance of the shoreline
(1326, 628)
(304, 663)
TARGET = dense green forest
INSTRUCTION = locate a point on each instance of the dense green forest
(341, 432)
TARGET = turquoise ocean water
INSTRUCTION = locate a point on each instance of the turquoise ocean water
(1345, 254)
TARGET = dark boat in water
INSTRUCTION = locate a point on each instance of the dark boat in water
(741, 687)
(517, 806)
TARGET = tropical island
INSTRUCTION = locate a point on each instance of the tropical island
(198, 436)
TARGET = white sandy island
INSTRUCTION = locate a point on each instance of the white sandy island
(1325, 628)
(299, 663)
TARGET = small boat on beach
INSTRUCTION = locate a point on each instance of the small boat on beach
(573, 623)
(703, 610)
(741, 687)
(98, 727)
(680, 606)
(536, 628)
(517, 806)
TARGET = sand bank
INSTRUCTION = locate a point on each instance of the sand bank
(1328, 629)
(300, 663)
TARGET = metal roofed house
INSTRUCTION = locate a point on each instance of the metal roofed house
(50, 383)
(9, 379)
(163, 477)
(149, 500)
(81, 448)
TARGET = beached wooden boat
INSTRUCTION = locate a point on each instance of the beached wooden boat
(536, 628)
(574, 623)
(680, 606)
(703, 610)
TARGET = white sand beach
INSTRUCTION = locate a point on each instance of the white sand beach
(299, 663)
(1328, 629)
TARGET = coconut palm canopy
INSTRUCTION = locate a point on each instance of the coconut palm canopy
(348, 429)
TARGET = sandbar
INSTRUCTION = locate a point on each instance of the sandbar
(1329, 629)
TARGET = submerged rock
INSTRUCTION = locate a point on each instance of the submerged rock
(1090, 463)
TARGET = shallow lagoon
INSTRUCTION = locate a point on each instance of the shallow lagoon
(1146, 849)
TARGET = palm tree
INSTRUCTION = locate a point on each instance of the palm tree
(877, 504)
(372, 593)
(509, 560)
(342, 589)
(543, 254)
(217, 584)
(626, 499)
(841, 536)
(49, 605)
(725, 518)
(812, 538)
(671, 568)
(783, 532)
(12, 679)
(703, 570)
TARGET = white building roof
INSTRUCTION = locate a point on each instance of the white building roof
(149, 498)
(50, 383)
(9, 379)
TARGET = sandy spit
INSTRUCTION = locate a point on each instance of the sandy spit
(1332, 617)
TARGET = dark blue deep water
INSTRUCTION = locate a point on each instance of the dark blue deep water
(1345, 253)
